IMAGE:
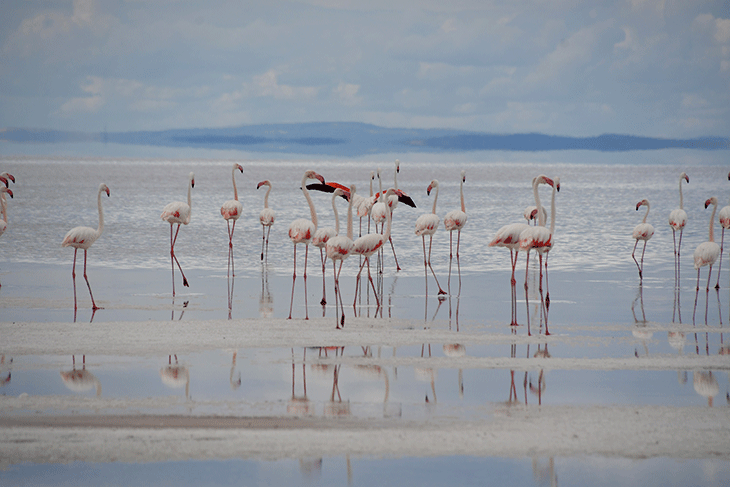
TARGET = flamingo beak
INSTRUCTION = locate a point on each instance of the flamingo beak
(240, 168)
(321, 179)
(558, 187)
(4, 181)
(638, 205)
(708, 203)
(686, 178)
(192, 183)
(10, 193)
(428, 191)
(107, 192)
(533, 215)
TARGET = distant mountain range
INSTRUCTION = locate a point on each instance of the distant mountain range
(352, 139)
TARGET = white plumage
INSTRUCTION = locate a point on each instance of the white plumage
(427, 224)
(642, 231)
(178, 213)
(266, 217)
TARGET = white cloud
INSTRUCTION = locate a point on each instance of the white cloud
(347, 93)
(90, 104)
(267, 85)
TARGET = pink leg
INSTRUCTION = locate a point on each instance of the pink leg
(93, 304)
(73, 277)
(323, 258)
(719, 267)
(430, 242)
(293, 281)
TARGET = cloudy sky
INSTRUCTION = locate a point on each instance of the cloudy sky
(565, 67)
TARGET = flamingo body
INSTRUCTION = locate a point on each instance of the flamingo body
(232, 209)
(454, 220)
(643, 231)
(4, 209)
(427, 224)
(178, 213)
(508, 236)
(301, 230)
(677, 219)
(706, 253)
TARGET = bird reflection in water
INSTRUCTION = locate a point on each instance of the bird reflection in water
(299, 405)
(234, 379)
(91, 319)
(266, 301)
(456, 350)
(80, 380)
(538, 388)
(427, 374)
(705, 385)
(640, 331)
(5, 366)
(176, 376)
(336, 408)
(545, 474)
(182, 311)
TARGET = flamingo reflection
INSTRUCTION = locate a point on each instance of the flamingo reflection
(427, 374)
(3, 366)
(234, 379)
(80, 380)
(539, 389)
(456, 350)
(299, 405)
(176, 376)
(266, 301)
(545, 474)
(705, 385)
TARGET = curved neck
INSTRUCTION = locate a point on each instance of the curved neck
(101, 213)
(647, 214)
(349, 216)
(337, 215)
(235, 189)
(266, 198)
(712, 223)
(435, 198)
(461, 190)
(540, 214)
(681, 198)
(381, 197)
(309, 201)
(4, 206)
(371, 187)
(190, 188)
(552, 211)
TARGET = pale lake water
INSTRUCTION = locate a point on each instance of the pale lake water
(598, 310)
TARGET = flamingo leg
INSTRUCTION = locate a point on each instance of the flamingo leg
(293, 281)
(306, 257)
(390, 239)
(674, 241)
(458, 263)
(73, 277)
(634, 257)
(372, 284)
(323, 258)
(268, 231)
(707, 294)
(642, 259)
(425, 265)
(93, 304)
(263, 240)
(430, 242)
(450, 258)
(679, 250)
(719, 267)
(175, 261)
(513, 290)
(547, 284)
(697, 291)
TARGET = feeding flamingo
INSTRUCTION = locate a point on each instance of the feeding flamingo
(231, 210)
(530, 214)
(178, 212)
(456, 220)
(725, 224)
(677, 220)
(706, 253)
(339, 247)
(427, 224)
(82, 238)
(642, 231)
(301, 231)
(266, 217)
(367, 245)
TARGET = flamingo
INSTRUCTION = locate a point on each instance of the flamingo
(642, 231)
(508, 237)
(5, 176)
(530, 214)
(677, 220)
(725, 224)
(4, 208)
(231, 210)
(367, 245)
(338, 247)
(266, 217)
(707, 253)
(427, 224)
(82, 238)
(301, 231)
(545, 249)
(456, 220)
(178, 212)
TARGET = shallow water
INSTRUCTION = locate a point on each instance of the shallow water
(614, 343)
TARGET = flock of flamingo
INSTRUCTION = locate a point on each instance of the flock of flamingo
(378, 207)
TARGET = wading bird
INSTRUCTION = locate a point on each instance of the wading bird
(266, 217)
(642, 231)
(706, 253)
(677, 220)
(339, 247)
(178, 212)
(82, 238)
(725, 224)
(231, 210)
(455, 220)
(427, 224)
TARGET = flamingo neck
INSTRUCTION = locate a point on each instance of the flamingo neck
(349, 216)
(388, 221)
(435, 198)
(681, 198)
(309, 201)
(337, 215)
(395, 177)
(190, 200)
(235, 189)
(266, 198)
(461, 190)
(101, 213)
(647, 214)
(4, 207)
(712, 223)
(371, 187)
(552, 212)
(540, 215)
(381, 197)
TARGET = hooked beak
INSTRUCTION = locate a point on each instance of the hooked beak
(638, 205)
(320, 178)
(10, 193)
(533, 215)
(708, 203)
(107, 192)
(240, 168)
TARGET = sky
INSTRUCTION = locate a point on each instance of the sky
(563, 67)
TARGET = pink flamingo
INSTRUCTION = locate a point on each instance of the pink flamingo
(178, 212)
(366, 204)
(545, 249)
(82, 238)
(508, 237)
(367, 245)
(427, 224)
(530, 214)
(455, 220)
(339, 247)
(706, 253)
(266, 217)
(4, 208)
(5, 176)
(301, 231)
(231, 210)
(677, 220)
(642, 231)
(725, 224)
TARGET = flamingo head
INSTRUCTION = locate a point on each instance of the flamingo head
(642, 203)
(266, 182)
(710, 201)
(556, 182)
(192, 179)
(686, 178)
(5, 176)
(728, 177)
(463, 176)
(105, 188)
(397, 166)
(372, 175)
(313, 175)
(533, 214)
(434, 184)
(239, 167)
(6, 190)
